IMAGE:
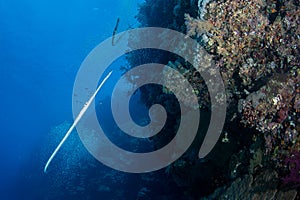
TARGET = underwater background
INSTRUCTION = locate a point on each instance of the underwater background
(42, 45)
(254, 44)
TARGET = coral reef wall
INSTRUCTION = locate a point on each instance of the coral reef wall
(255, 45)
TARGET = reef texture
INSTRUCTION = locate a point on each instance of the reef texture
(263, 186)
(255, 45)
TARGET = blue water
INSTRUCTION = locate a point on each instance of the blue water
(42, 45)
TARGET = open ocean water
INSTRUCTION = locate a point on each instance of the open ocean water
(42, 45)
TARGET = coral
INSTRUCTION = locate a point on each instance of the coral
(271, 110)
(246, 42)
(256, 47)
(263, 186)
(195, 79)
(256, 161)
(293, 164)
(152, 12)
(196, 26)
(234, 31)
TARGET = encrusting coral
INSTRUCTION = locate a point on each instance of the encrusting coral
(256, 47)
